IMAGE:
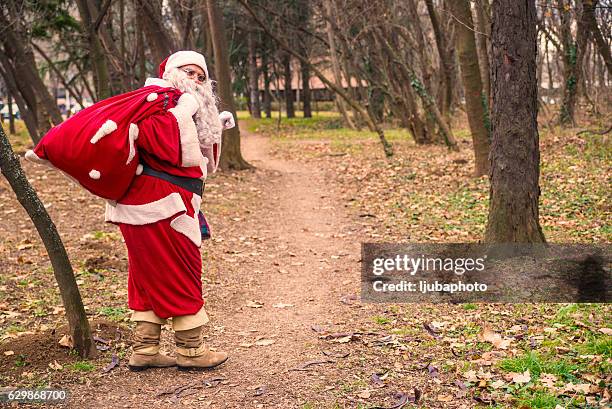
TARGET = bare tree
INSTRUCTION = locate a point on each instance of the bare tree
(472, 85)
(231, 156)
(255, 107)
(62, 269)
(515, 153)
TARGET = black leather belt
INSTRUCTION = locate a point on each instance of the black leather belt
(193, 185)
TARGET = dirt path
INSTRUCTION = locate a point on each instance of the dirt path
(296, 255)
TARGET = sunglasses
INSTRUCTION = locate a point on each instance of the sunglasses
(193, 74)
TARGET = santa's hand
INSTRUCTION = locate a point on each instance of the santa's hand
(188, 103)
(227, 120)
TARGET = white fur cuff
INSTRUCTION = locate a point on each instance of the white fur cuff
(190, 146)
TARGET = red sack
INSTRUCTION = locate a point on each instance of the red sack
(96, 146)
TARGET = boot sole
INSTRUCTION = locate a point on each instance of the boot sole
(144, 368)
(200, 368)
(138, 368)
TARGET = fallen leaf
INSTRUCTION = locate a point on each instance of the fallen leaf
(517, 377)
(445, 398)
(55, 366)
(66, 341)
(114, 362)
(471, 376)
(344, 340)
(254, 304)
(584, 388)
(606, 331)
(487, 335)
(430, 330)
(377, 380)
(364, 394)
(498, 384)
(548, 380)
(433, 371)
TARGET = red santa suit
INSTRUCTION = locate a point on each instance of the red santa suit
(152, 128)
(159, 219)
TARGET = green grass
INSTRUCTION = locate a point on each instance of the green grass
(20, 360)
(538, 400)
(568, 314)
(114, 313)
(81, 366)
(469, 307)
(537, 364)
(597, 346)
(381, 320)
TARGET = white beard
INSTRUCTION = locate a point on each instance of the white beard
(207, 117)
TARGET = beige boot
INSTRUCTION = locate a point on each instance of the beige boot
(146, 348)
(191, 353)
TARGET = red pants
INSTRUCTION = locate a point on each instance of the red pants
(165, 270)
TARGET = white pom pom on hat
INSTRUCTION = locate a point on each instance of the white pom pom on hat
(181, 58)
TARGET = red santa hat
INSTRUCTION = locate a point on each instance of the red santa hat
(180, 58)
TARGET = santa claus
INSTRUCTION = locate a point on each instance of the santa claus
(158, 216)
(148, 152)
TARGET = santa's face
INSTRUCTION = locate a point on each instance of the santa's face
(194, 73)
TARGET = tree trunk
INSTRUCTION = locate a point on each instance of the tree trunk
(231, 157)
(288, 88)
(9, 98)
(570, 68)
(331, 39)
(25, 112)
(482, 43)
(253, 77)
(96, 53)
(472, 85)
(445, 62)
(160, 40)
(62, 269)
(515, 153)
(21, 58)
(305, 71)
(267, 97)
(602, 45)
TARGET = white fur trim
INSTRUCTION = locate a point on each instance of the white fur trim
(203, 169)
(190, 226)
(145, 213)
(158, 81)
(106, 128)
(190, 146)
(196, 202)
(186, 57)
(139, 169)
(33, 157)
(152, 97)
(94, 174)
(132, 136)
